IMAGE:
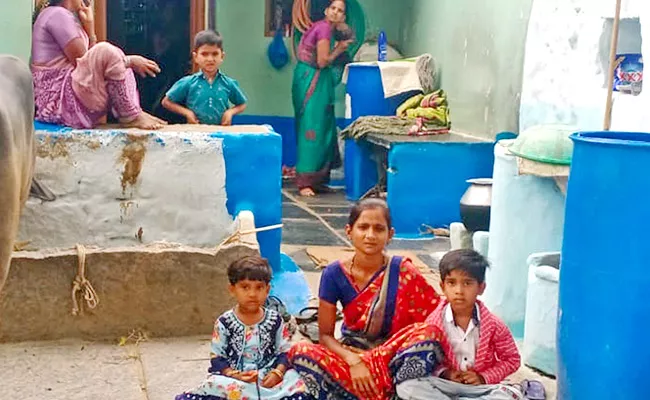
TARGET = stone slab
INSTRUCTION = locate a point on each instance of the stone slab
(163, 290)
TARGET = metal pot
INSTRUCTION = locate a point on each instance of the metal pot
(475, 205)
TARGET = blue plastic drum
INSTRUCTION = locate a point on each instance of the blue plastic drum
(604, 305)
(366, 97)
(366, 92)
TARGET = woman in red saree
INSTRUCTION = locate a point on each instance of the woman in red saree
(385, 302)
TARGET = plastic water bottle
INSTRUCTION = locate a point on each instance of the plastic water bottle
(382, 47)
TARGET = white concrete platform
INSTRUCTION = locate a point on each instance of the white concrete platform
(121, 188)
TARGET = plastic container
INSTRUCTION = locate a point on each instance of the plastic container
(365, 96)
(604, 277)
(539, 349)
(366, 93)
(360, 170)
(628, 77)
(382, 47)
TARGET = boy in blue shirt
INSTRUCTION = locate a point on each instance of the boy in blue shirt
(206, 97)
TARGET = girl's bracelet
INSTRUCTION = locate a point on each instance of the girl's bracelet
(277, 373)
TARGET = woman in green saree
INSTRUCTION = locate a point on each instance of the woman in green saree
(313, 100)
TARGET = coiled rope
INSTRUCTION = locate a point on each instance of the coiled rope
(82, 289)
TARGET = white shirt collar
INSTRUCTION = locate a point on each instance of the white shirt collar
(449, 314)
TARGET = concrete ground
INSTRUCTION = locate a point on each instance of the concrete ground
(141, 368)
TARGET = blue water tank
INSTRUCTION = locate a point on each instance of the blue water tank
(366, 92)
(604, 311)
(365, 96)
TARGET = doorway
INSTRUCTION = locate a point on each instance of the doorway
(159, 30)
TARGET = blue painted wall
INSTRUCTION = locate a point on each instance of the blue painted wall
(285, 126)
(426, 181)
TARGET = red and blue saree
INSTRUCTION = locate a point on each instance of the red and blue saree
(384, 322)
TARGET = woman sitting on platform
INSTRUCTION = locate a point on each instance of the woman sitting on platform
(77, 80)
(385, 302)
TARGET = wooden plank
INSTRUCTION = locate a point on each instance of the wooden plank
(607, 123)
(383, 140)
(197, 23)
(99, 8)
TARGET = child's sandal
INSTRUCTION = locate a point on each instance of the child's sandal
(533, 390)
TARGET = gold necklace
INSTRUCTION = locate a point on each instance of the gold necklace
(384, 263)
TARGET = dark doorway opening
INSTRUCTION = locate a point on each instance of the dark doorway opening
(156, 29)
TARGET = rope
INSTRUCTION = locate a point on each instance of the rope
(300, 15)
(301, 21)
(236, 236)
(81, 284)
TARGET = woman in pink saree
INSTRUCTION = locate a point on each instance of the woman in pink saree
(77, 80)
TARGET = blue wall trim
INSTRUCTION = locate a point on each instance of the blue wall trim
(41, 126)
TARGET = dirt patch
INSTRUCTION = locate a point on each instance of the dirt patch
(53, 147)
(126, 209)
(93, 144)
(132, 157)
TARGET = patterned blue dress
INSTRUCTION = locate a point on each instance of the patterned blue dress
(260, 347)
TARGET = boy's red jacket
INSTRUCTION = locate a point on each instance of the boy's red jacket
(497, 356)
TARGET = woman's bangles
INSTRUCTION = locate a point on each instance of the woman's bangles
(234, 373)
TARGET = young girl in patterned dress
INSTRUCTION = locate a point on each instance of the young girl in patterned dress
(249, 344)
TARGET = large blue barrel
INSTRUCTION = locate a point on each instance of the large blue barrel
(604, 310)
(366, 92)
